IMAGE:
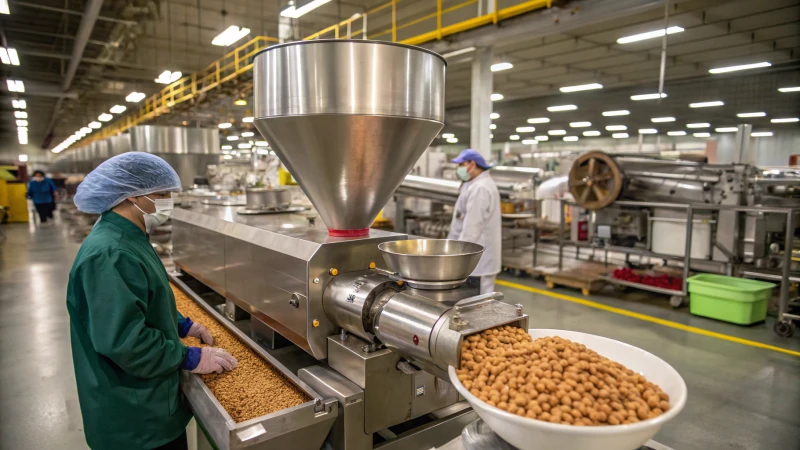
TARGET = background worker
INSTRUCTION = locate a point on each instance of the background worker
(125, 328)
(44, 194)
(476, 217)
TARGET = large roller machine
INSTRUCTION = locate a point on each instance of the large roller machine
(383, 313)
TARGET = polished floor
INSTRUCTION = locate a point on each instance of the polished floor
(740, 396)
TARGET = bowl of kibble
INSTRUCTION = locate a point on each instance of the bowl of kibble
(557, 389)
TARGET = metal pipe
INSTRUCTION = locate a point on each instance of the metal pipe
(787, 262)
(561, 234)
(673, 176)
(74, 13)
(687, 257)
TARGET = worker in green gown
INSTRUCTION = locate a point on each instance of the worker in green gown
(125, 327)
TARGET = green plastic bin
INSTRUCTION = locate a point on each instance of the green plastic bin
(735, 300)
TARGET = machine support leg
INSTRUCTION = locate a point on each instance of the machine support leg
(560, 234)
(787, 262)
(687, 259)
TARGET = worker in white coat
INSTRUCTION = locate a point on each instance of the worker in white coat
(476, 217)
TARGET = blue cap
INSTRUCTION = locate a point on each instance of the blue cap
(471, 155)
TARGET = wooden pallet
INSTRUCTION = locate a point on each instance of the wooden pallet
(586, 282)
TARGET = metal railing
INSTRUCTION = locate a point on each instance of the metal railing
(239, 61)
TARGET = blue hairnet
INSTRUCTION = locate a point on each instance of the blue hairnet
(126, 175)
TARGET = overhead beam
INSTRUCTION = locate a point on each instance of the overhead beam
(74, 13)
(61, 56)
(53, 35)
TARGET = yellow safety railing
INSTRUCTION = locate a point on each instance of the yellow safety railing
(239, 61)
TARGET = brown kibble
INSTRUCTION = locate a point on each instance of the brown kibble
(544, 416)
(613, 420)
(663, 405)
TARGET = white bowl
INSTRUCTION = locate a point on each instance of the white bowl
(531, 434)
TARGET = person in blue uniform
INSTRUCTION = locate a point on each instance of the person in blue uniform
(42, 191)
(125, 328)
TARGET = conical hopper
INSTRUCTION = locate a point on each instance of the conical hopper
(348, 118)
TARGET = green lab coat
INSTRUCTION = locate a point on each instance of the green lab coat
(125, 344)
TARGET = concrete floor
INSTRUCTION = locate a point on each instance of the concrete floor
(740, 397)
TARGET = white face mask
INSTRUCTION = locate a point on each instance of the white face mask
(164, 207)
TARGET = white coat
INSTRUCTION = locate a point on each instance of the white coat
(476, 218)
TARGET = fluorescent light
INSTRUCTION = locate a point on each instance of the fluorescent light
(134, 97)
(752, 114)
(580, 124)
(23, 158)
(557, 132)
(247, 134)
(15, 86)
(25, 129)
(227, 157)
(648, 131)
(233, 138)
(86, 130)
(581, 87)
(562, 108)
(4, 7)
(726, 129)
(448, 135)
(514, 137)
(262, 144)
(19, 104)
(499, 67)
(525, 129)
(452, 140)
(789, 89)
(247, 119)
(23, 139)
(224, 125)
(542, 138)
(244, 145)
(530, 142)
(230, 35)
(570, 138)
(95, 125)
(648, 35)
(20, 114)
(701, 135)
(9, 56)
(619, 135)
(616, 127)
(676, 133)
(293, 13)
(620, 112)
(227, 147)
(761, 134)
(4, 56)
(706, 104)
(741, 67)
(698, 125)
(118, 109)
(496, 97)
(492, 126)
(167, 77)
(491, 136)
(591, 133)
(22, 123)
(262, 151)
(105, 117)
(458, 52)
(785, 120)
(662, 119)
(647, 97)
(494, 116)
(538, 120)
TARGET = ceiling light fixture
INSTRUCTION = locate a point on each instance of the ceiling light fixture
(514, 137)
(4, 7)
(492, 126)
(648, 35)
(701, 135)
(248, 119)
(452, 140)
(740, 67)
(570, 138)
(295, 13)
(752, 114)
(662, 119)
(639, 97)
(557, 132)
(726, 129)
(118, 109)
(240, 102)
(9, 56)
(616, 127)
(15, 86)
(23, 158)
(20, 114)
(22, 123)
(134, 97)
(580, 124)
(619, 135)
(491, 136)
(496, 97)
(494, 116)
(676, 133)
(229, 36)
(591, 133)
(248, 134)
(105, 117)
(499, 67)
(227, 147)
(448, 135)
(95, 125)
(785, 120)
(698, 125)
(86, 130)
(538, 120)
(458, 52)
(19, 104)
(581, 87)
(224, 125)
(530, 142)
(761, 134)
(789, 89)
(262, 144)
(648, 131)
(542, 138)
(621, 112)
(244, 145)
(233, 138)
(167, 77)
(706, 104)
(562, 108)
(525, 129)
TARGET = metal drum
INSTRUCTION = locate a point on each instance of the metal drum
(265, 198)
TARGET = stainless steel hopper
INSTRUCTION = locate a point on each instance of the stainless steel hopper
(348, 118)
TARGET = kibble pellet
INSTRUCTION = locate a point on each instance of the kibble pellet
(254, 388)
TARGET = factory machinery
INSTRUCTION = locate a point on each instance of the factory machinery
(732, 219)
(380, 314)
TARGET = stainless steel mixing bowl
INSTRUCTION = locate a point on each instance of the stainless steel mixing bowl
(431, 259)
